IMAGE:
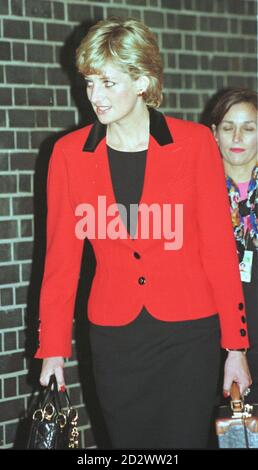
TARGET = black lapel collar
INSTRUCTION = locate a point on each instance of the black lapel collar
(97, 133)
(158, 129)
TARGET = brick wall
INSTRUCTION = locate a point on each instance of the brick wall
(206, 45)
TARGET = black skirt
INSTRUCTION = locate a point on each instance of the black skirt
(157, 380)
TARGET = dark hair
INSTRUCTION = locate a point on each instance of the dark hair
(231, 97)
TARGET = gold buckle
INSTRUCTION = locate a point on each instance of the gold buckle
(48, 411)
(38, 415)
(237, 406)
(245, 412)
(61, 420)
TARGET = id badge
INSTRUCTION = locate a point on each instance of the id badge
(246, 266)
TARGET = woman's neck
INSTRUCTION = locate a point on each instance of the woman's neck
(131, 133)
(240, 174)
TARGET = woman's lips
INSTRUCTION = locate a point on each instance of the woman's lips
(237, 150)
(102, 109)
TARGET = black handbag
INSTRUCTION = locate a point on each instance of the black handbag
(53, 426)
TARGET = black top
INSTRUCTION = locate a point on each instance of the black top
(127, 172)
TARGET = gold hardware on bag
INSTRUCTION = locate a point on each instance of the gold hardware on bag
(61, 419)
(48, 411)
(73, 442)
(74, 433)
(240, 410)
(38, 415)
(249, 409)
(237, 406)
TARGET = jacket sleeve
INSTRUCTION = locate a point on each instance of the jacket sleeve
(218, 248)
(62, 264)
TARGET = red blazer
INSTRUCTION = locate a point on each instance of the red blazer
(202, 278)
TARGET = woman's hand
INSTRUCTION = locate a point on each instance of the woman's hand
(53, 365)
(236, 370)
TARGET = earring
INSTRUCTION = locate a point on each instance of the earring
(140, 93)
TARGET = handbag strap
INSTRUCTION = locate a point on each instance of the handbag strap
(51, 393)
(237, 405)
(235, 392)
(237, 402)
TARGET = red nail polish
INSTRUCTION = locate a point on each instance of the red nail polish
(62, 388)
(225, 394)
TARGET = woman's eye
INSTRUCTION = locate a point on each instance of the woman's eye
(227, 129)
(108, 83)
(88, 83)
(249, 129)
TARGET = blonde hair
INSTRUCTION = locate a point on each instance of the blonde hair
(130, 45)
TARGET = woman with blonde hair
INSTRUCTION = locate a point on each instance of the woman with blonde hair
(140, 185)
